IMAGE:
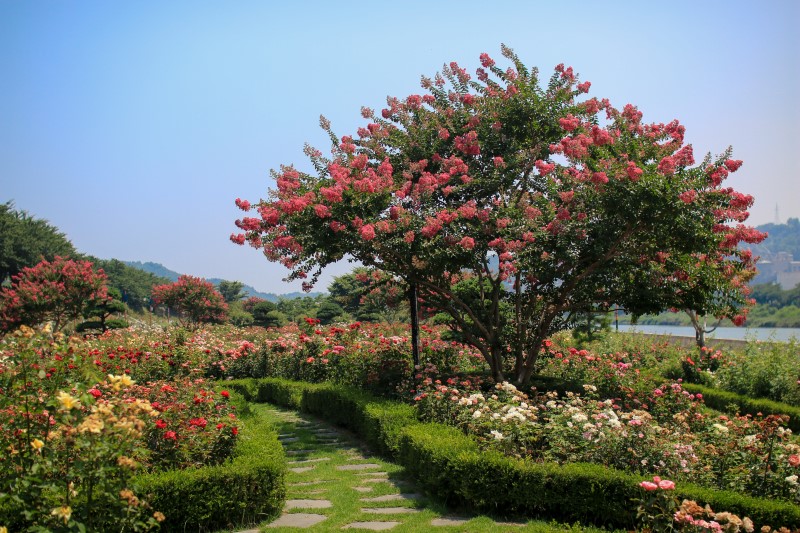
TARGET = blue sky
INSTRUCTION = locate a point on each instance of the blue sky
(134, 126)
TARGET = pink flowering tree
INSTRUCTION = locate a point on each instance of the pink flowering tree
(195, 299)
(550, 203)
(55, 291)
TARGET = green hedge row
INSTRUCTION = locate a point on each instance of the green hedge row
(722, 400)
(449, 465)
(246, 490)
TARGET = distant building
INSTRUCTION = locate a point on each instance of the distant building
(780, 268)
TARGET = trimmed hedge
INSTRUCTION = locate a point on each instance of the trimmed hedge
(449, 464)
(246, 490)
(721, 400)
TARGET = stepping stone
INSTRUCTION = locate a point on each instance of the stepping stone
(360, 466)
(374, 526)
(286, 435)
(297, 520)
(363, 489)
(301, 469)
(298, 452)
(354, 456)
(515, 524)
(392, 497)
(308, 504)
(249, 531)
(373, 474)
(306, 483)
(376, 480)
(389, 510)
(449, 521)
(309, 461)
(288, 439)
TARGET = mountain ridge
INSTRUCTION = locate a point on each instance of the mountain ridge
(160, 270)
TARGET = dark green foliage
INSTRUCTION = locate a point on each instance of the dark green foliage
(328, 312)
(232, 291)
(266, 314)
(26, 240)
(133, 284)
(239, 317)
(725, 401)
(590, 325)
(262, 308)
(296, 309)
(347, 290)
(772, 294)
(369, 296)
(247, 490)
(98, 314)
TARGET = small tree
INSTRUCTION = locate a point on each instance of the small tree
(195, 299)
(266, 314)
(98, 313)
(328, 312)
(555, 208)
(232, 291)
(369, 295)
(55, 291)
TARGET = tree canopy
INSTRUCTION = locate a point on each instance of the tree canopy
(134, 285)
(195, 299)
(231, 291)
(55, 291)
(549, 203)
(26, 240)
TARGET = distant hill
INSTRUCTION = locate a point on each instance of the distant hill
(781, 244)
(160, 270)
(782, 238)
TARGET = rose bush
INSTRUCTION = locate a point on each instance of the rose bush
(68, 456)
(669, 433)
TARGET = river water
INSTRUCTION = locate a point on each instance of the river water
(761, 334)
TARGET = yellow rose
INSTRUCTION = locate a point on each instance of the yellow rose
(67, 401)
(117, 382)
(64, 512)
(92, 425)
(37, 445)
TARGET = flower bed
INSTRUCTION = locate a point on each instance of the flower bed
(452, 466)
(668, 434)
(73, 439)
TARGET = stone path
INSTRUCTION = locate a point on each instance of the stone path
(330, 471)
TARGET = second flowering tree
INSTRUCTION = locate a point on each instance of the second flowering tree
(516, 207)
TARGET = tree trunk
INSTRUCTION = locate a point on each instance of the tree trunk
(496, 364)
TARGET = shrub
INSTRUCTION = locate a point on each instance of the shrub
(246, 490)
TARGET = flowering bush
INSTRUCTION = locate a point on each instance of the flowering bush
(68, 456)
(668, 433)
(71, 443)
(660, 511)
(763, 370)
(56, 291)
(194, 425)
(195, 299)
